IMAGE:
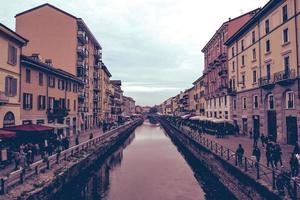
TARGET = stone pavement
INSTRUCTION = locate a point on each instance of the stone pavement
(84, 136)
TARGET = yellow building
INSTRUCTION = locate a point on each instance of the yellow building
(105, 93)
(199, 97)
(11, 48)
(263, 61)
(49, 96)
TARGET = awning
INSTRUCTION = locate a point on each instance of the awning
(29, 128)
(7, 134)
(57, 126)
(185, 116)
(200, 118)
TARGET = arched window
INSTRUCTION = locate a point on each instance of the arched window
(271, 105)
(9, 119)
(290, 100)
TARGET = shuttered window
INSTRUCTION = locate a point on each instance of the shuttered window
(12, 55)
(10, 86)
(27, 101)
(41, 102)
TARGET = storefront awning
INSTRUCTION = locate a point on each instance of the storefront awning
(29, 128)
(57, 126)
(7, 134)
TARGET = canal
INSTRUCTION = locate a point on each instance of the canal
(148, 166)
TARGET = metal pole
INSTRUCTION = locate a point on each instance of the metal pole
(273, 179)
(228, 154)
(246, 167)
(221, 150)
(257, 170)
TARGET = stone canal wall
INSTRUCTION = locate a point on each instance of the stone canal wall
(71, 164)
(238, 183)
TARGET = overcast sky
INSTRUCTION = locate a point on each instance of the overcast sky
(153, 46)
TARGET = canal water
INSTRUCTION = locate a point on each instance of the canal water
(147, 167)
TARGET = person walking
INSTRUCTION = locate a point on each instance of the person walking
(256, 153)
(77, 140)
(239, 154)
(294, 164)
(262, 139)
(269, 155)
(255, 138)
(277, 155)
(17, 159)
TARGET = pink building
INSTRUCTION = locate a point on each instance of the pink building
(216, 68)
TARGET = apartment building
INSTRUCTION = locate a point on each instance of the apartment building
(117, 94)
(199, 96)
(105, 93)
(129, 106)
(215, 71)
(49, 95)
(67, 40)
(191, 100)
(11, 48)
(263, 61)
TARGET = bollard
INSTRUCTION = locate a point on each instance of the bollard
(228, 154)
(236, 160)
(211, 145)
(22, 175)
(257, 170)
(3, 185)
(246, 168)
(222, 151)
(273, 179)
(216, 148)
(36, 170)
(48, 164)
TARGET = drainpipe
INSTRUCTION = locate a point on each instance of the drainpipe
(259, 61)
(297, 45)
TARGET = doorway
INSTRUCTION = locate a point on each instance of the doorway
(245, 126)
(256, 124)
(291, 129)
(272, 125)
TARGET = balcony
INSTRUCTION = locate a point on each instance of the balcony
(217, 63)
(81, 71)
(82, 51)
(231, 91)
(223, 57)
(266, 82)
(223, 89)
(223, 73)
(96, 88)
(96, 98)
(96, 76)
(97, 66)
(3, 98)
(57, 113)
(98, 54)
(96, 110)
(285, 77)
(81, 35)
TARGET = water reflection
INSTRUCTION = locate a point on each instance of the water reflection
(150, 168)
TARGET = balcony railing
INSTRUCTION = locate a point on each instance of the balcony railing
(82, 37)
(82, 51)
(223, 73)
(223, 57)
(3, 98)
(231, 91)
(98, 54)
(96, 88)
(285, 76)
(96, 75)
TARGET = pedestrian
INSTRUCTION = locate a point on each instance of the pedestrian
(255, 138)
(239, 154)
(294, 164)
(91, 135)
(262, 139)
(269, 155)
(77, 140)
(17, 159)
(277, 155)
(256, 153)
(28, 157)
(250, 133)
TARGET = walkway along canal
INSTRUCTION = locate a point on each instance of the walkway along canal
(147, 166)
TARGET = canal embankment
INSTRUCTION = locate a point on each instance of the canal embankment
(44, 179)
(239, 183)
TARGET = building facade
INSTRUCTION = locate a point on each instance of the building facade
(199, 96)
(215, 73)
(69, 43)
(263, 60)
(11, 48)
(49, 96)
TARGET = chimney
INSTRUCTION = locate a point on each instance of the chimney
(48, 62)
(36, 56)
(229, 18)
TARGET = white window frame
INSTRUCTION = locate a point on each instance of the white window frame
(287, 100)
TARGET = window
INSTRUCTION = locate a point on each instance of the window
(233, 65)
(52, 81)
(68, 104)
(225, 100)
(41, 77)
(253, 37)
(268, 71)
(74, 105)
(234, 104)
(233, 84)
(12, 55)
(286, 64)
(267, 26)
(243, 60)
(41, 102)
(28, 78)
(271, 102)
(10, 86)
(268, 46)
(75, 88)
(232, 51)
(254, 76)
(285, 35)
(242, 45)
(27, 101)
(244, 106)
(290, 100)
(284, 13)
(253, 54)
(255, 102)
(243, 80)
(61, 84)
(215, 103)
(219, 101)
(51, 102)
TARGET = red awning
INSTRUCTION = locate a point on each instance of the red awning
(29, 128)
(7, 134)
